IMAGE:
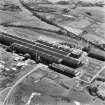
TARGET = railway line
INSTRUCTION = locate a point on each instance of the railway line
(65, 32)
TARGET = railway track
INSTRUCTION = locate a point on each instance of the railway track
(65, 31)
